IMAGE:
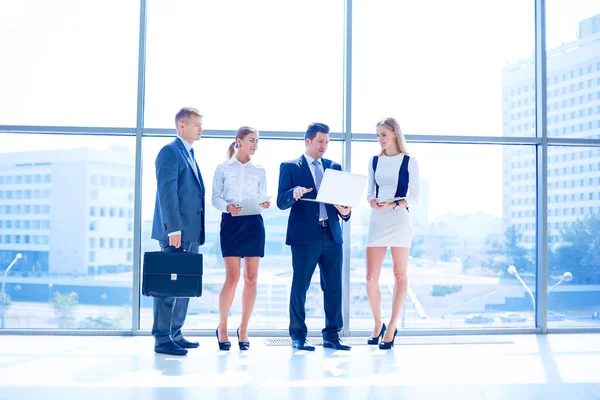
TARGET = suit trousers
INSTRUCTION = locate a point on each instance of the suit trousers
(324, 251)
(170, 312)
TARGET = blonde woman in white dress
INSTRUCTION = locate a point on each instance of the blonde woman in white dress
(393, 189)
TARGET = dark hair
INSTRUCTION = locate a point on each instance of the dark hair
(186, 113)
(240, 134)
(315, 128)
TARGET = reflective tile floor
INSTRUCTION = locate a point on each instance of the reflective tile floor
(478, 367)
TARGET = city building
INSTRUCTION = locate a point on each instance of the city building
(68, 212)
(573, 102)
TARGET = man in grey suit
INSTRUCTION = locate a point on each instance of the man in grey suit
(178, 223)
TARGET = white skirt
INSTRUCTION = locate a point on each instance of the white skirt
(390, 228)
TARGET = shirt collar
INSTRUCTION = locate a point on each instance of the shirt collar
(234, 160)
(310, 159)
(188, 146)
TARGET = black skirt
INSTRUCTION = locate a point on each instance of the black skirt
(242, 236)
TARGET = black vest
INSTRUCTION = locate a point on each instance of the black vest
(402, 187)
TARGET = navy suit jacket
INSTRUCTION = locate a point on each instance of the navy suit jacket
(304, 215)
(179, 196)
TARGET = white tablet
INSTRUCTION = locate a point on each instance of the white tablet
(252, 206)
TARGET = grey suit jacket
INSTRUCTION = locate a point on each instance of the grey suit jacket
(179, 196)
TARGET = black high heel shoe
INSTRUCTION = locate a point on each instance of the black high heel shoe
(243, 345)
(375, 340)
(222, 345)
(388, 345)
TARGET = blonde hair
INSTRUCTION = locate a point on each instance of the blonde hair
(394, 126)
(186, 113)
(240, 134)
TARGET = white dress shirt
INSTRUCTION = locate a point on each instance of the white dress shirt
(312, 167)
(310, 160)
(187, 146)
(234, 182)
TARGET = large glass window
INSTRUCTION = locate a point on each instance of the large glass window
(67, 201)
(573, 63)
(475, 218)
(271, 310)
(573, 226)
(58, 278)
(69, 63)
(443, 71)
(270, 64)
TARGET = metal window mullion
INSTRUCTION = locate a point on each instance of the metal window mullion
(67, 130)
(228, 134)
(447, 139)
(356, 137)
(347, 159)
(542, 168)
(573, 142)
(137, 231)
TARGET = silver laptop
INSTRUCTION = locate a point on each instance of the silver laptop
(340, 187)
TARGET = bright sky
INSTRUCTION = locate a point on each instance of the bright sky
(436, 66)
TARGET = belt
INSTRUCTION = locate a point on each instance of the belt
(323, 222)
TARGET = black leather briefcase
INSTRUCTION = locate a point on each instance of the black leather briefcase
(172, 274)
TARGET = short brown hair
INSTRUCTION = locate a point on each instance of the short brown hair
(314, 128)
(186, 113)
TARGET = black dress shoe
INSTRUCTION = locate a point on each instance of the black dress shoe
(170, 348)
(186, 344)
(301, 344)
(243, 345)
(335, 344)
(223, 345)
(375, 340)
(388, 345)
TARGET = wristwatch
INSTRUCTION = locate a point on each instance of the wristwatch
(397, 204)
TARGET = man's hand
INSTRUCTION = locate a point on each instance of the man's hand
(234, 209)
(175, 241)
(300, 191)
(343, 210)
(266, 204)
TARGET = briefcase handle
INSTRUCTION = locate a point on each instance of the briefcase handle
(183, 250)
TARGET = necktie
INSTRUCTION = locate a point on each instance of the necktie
(319, 178)
(194, 163)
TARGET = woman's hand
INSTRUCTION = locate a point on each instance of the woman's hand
(401, 204)
(265, 205)
(374, 204)
(234, 209)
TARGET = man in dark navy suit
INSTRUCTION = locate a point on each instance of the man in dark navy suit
(315, 236)
(178, 223)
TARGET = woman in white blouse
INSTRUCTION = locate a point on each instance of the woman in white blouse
(393, 188)
(241, 236)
